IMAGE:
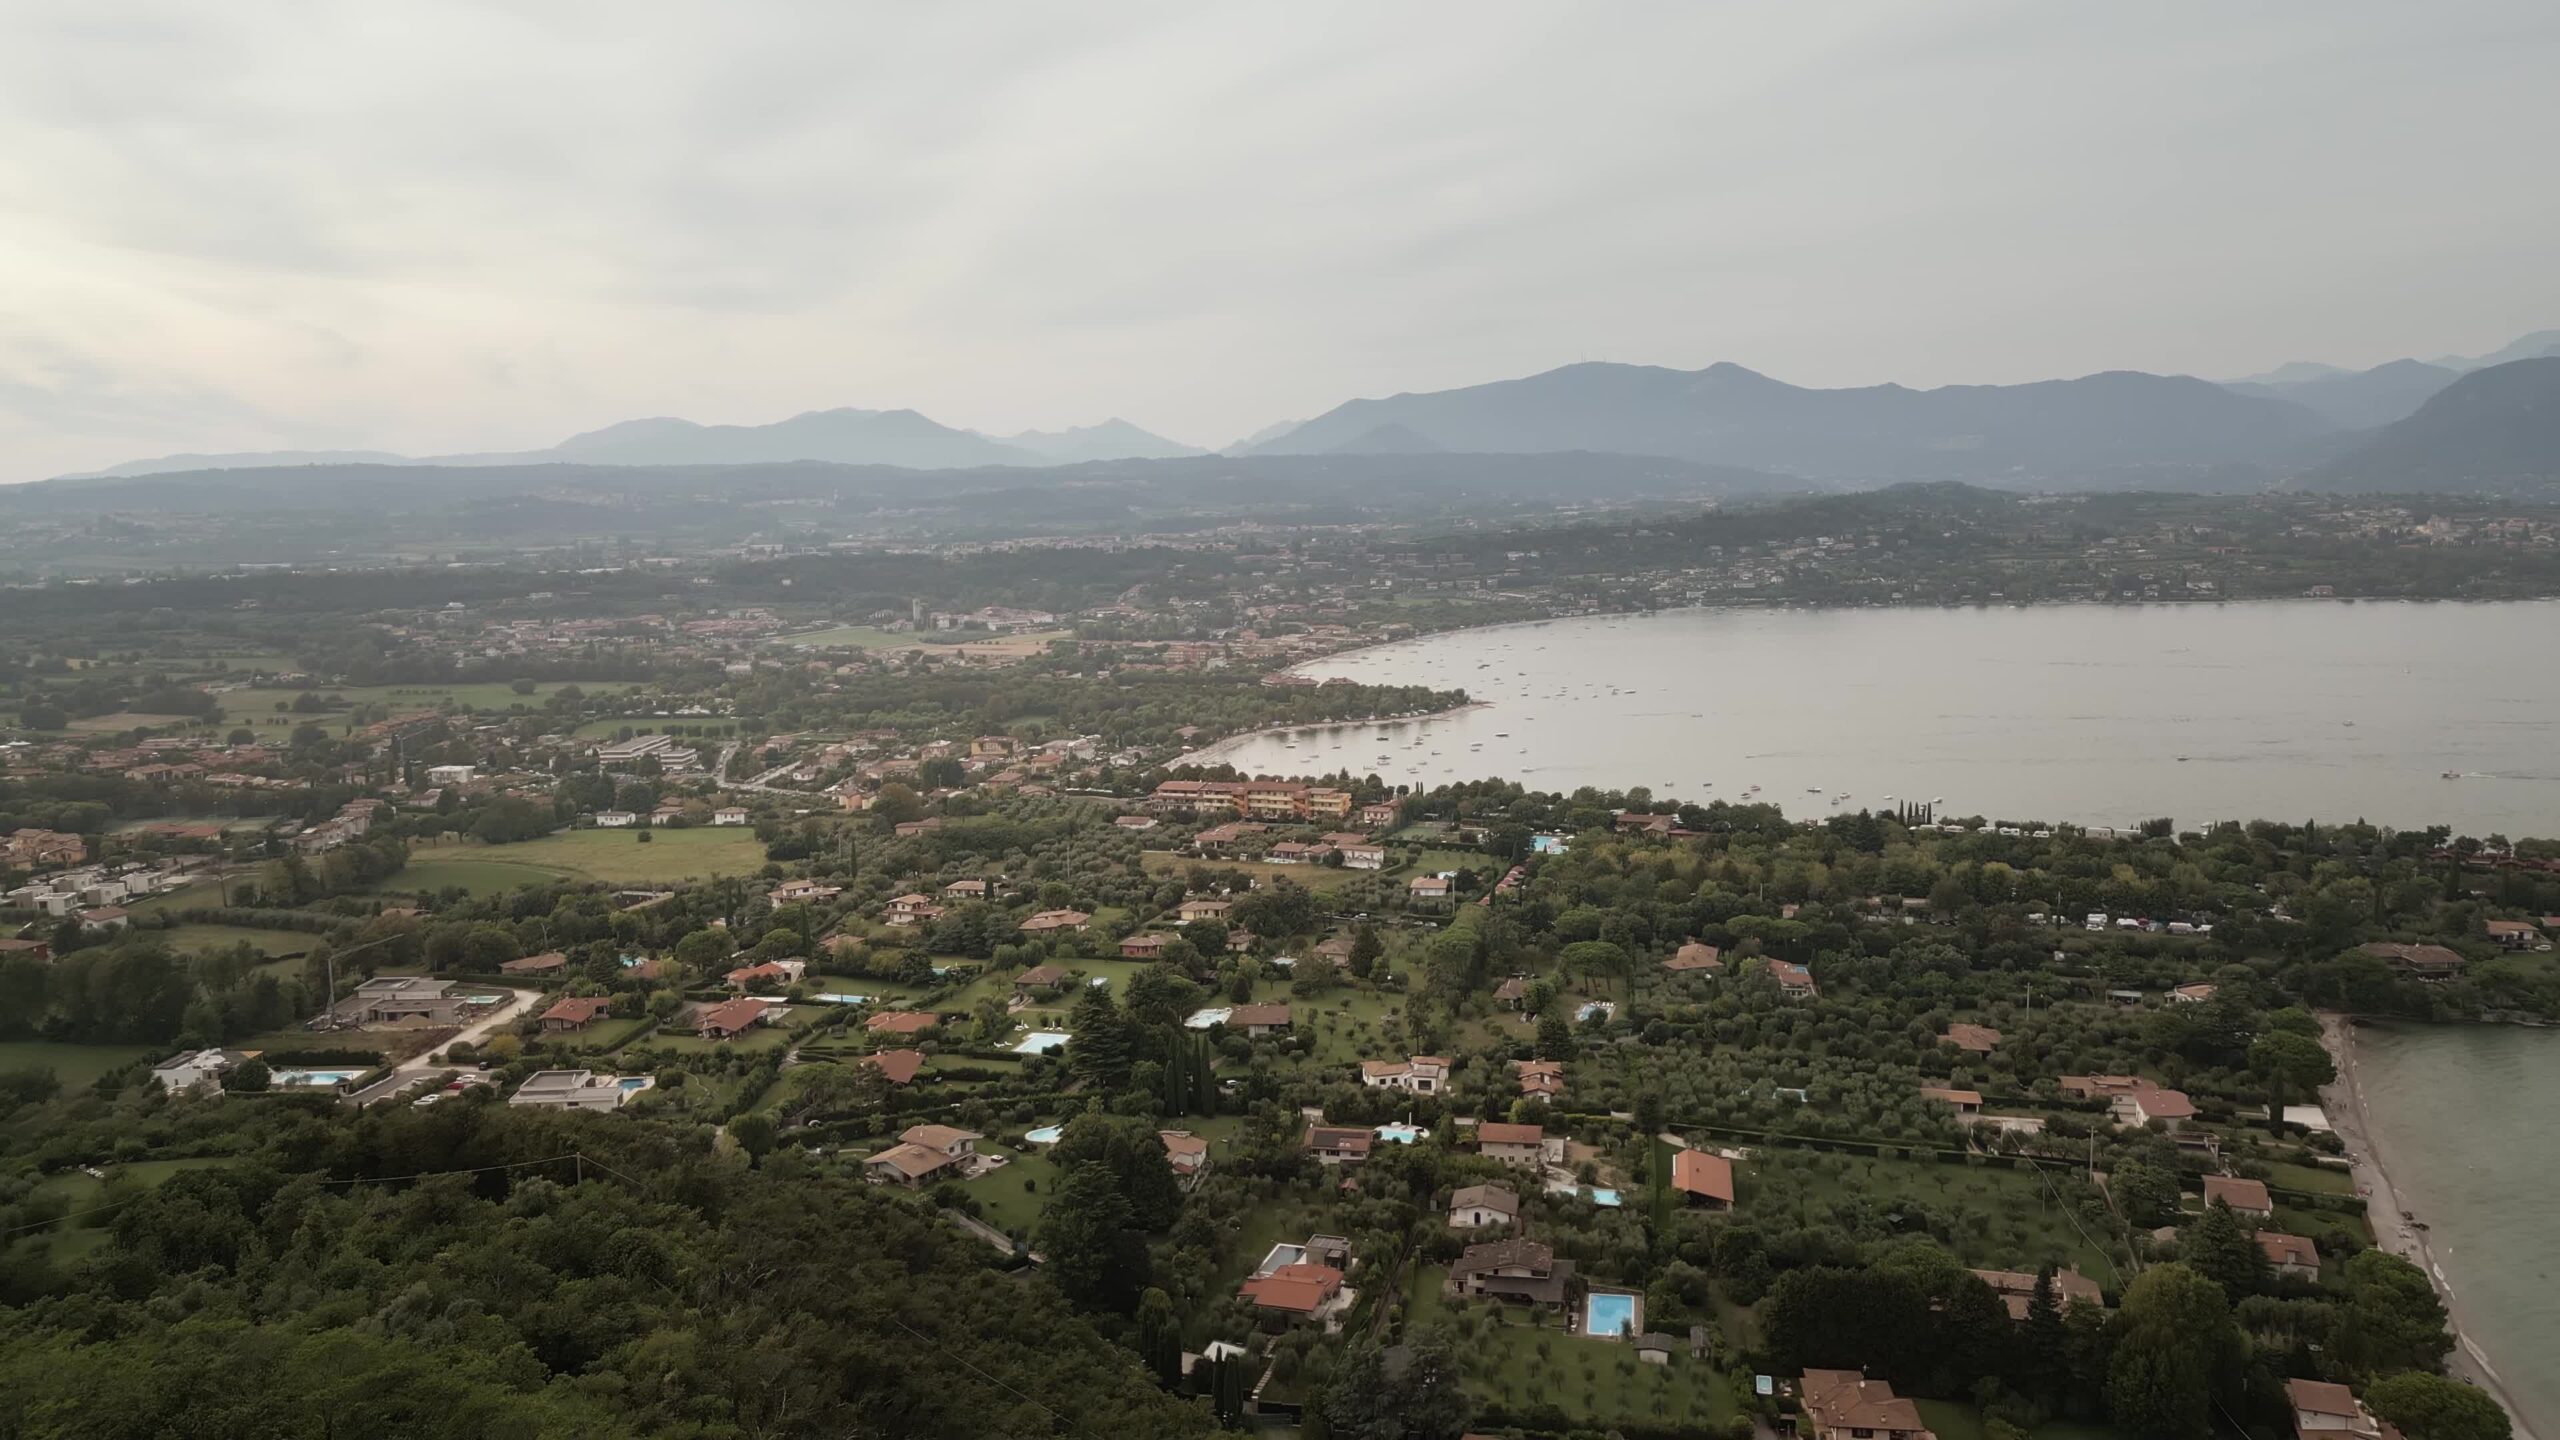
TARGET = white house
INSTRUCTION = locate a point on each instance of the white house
(451, 774)
(729, 815)
(616, 819)
(572, 1090)
(195, 1070)
(1472, 1207)
(1420, 1075)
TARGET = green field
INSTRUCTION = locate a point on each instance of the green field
(187, 897)
(1599, 1383)
(195, 938)
(1305, 877)
(73, 1065)
(616, 857)
(1003, 1202)
(2011, 1222)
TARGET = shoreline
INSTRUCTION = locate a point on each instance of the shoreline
(1214, 752)
(2344, 1101)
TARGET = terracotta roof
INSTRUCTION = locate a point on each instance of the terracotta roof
(2320, 1397)
(2237, 1193)
(536, 964)
(1484, 1197)
(899, 1065)
(1498, 1133)
(1950, 1097)
(2162, 1104)
(1695, 1172)
(1300, 1288)
(1042, 976)
(2017, 1289)
(903, 1022)
(1534, 1256)
(913, 1161)
(1243, 1015)
(578, 1009)
(2288, 1249)
(1694, 956)
(937, 1137)
(736, 1015)
(1845, 1399)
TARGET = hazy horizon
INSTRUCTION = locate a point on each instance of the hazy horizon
(431, 230)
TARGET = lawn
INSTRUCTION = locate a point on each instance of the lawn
(1002, 1200)
(2009, 1221)
(73, 1065)
(185, 897)
(191, 938)
(2312, 1179)
(1432, 862)
(1597, 1383)
(616, 857)
(1349, 1025)
(1955, 1420)
(762, 1037)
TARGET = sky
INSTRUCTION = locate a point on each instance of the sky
(448, 226)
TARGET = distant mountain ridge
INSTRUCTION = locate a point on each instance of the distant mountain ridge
(2393, 390)
(2496, 429)
(2098, 425)
(848, 436)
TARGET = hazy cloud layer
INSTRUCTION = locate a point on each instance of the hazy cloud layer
(454, 226)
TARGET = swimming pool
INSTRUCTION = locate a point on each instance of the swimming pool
(1203, 1019)
(1045, 1135)
(1403, 1134)
(1606, 1199)
(1040, 1042)
(305, 1079)
(630, 1083)
(1597, 1009)
(1609, 1313)
(842, 997)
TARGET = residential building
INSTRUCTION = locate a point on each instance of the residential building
(1337, 1144)
(616, 819)
(902, 1022)
(803, 892)
(897, 1066)
(1428, 890)
(1795, 982)
(923, 1154)
(966, 890)
(1473, 1207)
(2426, 962)
(729, 815)
(1702, 1179)
(2293, 1257)
(1966, 1102)
(2193, 994)
(2515, 935)
(1521, 1146)
(1518, 1271)
(1144, 946)
(1042, 977)
(1051, 921)
(1845, 1405)
(574, 1012)
(1542, 1079)
(1258, 1020)
(2326, 1411)
(726, 1021)
(910, 910)
(2017, 1289)
(1202, 908)
(1300, 1292)
(1693, 957)
(402, 1000)
(1419, 1075)
(2245, 1197)
(1187, 1153)
(571, 1090)
(196, 1070)
(550, 962)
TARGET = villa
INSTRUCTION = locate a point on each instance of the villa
(1516, 1271)
(1702, 1179)
(2245, 1197)
(1520, 1146)
(574, 1090)
(1420, 1075)
(2017, 1289)
(925, 1153)
(1845, 1405)
(2325, 1411)
(1473, 1207)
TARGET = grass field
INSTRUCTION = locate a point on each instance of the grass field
(196, 938)
(124, 720)
(2010, 1223)
(1003, 1201)
(73, 1065)
(616, 857)
(2317, 1180)
(1598, 1383)
(186, 897)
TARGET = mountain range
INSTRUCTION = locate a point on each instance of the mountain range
(2304, 422)
(2496, 429)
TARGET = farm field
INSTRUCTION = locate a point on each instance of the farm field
(73, 1065)
(616, 857)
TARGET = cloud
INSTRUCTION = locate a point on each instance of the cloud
(472, 226)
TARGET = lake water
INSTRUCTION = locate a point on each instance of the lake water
(2103, 715)
(2461, 1119)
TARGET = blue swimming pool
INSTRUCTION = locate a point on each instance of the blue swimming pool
(1605, 1199)
(1045, 1135)
(1403, 1134)
(630, 1083)
(299, 1079)
(1609, 1313)
(843, 997)
(1041, 1042)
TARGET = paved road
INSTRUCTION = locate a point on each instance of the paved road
(423, 1064)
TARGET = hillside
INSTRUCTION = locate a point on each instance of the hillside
(2496, 429)
(2359, 399)
(2120, 427)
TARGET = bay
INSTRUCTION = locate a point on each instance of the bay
(2460, 1118)
(2109, 715)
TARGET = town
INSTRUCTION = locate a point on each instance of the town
(1296, 1101)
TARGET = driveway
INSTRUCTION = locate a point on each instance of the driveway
(423, 1064)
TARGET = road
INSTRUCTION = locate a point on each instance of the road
(763, 782)
(423, 1064)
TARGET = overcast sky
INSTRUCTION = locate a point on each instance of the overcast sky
(444, 226)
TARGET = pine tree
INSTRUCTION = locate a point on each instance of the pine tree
(2219, 1248)
(1101, 1053)
(2042, 1361)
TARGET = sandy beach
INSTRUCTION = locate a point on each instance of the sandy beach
(1216, 751)
(2344, 1102)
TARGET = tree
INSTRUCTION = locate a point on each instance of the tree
(2042, 1363)
(1160, 1337)
(2431, 1407)
(1102, 1050)
(2392, 1320)
(1401, 1392)
(1555, 1036)
(897, 804)
(2177, 1352)
(249, 1077)
(1366, 948)
(754, 1131)
(1089, 1250)
(2219, 1248)
(2147, 1194)
(2292, 1063)
(1128, 1148)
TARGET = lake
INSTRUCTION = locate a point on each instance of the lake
(2460, 1116)
(2308, 710)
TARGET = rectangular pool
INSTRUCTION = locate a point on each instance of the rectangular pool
(1609, 1313)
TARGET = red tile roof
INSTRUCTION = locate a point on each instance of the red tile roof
(1695, 1172)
